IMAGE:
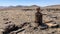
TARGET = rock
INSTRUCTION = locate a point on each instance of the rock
(8, 22)
(17, 31)
(48, 21)
(6, 19)
(51, 25)
(1, 31)
(13, 33)
(53, 16)
(44, 26)
(23, 25)
(34, 24)
(35, 28)
(8, 27)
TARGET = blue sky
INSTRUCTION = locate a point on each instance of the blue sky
(29, 2)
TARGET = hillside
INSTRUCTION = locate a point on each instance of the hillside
(52, 6)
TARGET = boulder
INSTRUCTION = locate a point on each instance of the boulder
(48, 21)
(43, 27)
(51, 25)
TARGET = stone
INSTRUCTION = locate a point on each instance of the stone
(48, 21)
(51, 25)
(43, 28)
(6, 19)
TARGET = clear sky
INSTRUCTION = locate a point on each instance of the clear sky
(28, 2)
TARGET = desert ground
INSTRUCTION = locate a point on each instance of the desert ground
(30, 20)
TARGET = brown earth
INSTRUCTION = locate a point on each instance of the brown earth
(30, 20)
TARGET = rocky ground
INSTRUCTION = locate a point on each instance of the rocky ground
(11, 22)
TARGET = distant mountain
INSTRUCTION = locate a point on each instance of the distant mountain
(52, 6)
(30, 7)
(2, 7)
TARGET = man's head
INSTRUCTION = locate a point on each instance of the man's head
(38, 9)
